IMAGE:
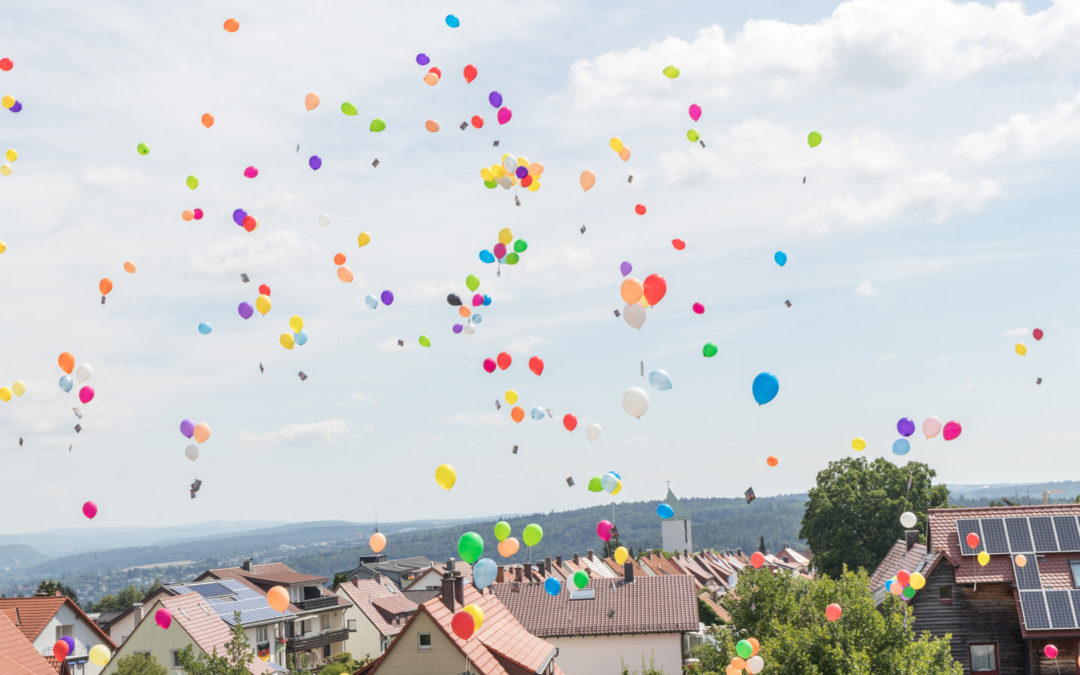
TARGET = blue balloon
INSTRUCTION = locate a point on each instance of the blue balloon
(452, 21)
(665, 511)
(300, 338)
(205, 328)
(888, 585)
(552, 586)
(616, 474)
(487, 256)
(538, 413)
(66, 383)
(780, 258)
(660, 380)
(901, 446)
(371, 301)
(484, 572)
(487, 300)
(766, 387)
(476, 318)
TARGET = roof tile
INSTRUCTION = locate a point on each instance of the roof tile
(34, 614)
(17, 655)
(366, 594)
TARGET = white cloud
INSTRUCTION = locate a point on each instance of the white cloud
(865, 289)
(294, 435)
(1015, 331)
(1028, 134)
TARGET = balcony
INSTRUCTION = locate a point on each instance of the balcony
(317, 602)
(316, 640)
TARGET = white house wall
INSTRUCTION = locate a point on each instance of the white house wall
(600, 655)
(85, 637)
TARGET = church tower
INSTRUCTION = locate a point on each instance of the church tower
(675, 531)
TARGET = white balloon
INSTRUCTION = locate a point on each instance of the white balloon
(84, 372)
(635, 401)
(324, 219)
(908, 519)
(192, 452)
(469, 330)
(634, 315)
(510, 164)
(754, 664)
(593, 431)
(505, 182)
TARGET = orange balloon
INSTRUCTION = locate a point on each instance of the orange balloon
(129, 267)
(67, 362)
(772, 461)
(535, 169)
(632, 290)
(202, 432)
(755, 644)
(188, 214)
(517, 413)
(231, 25)
(311, 101)
(737, 663)
(732, 670)
(377, 542)
(207, 120)
(588, 179)
(105, 285)
(508, 547)
(345, 274)
(624, 154)
(464, 312)
(431, 125)
(431, 79)
(278, 599)
(339, 258)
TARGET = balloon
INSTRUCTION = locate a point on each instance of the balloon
(695, 112)
(592, 432)
(201, 432)
(655, 288)
(66, 383)
(311, 101)
(89, 509)
(765, 388)
(231, 25)
(278, 598)
(587, 180)
(1051, 651)
(1037, 334)
(287, 341)
(709, 350)
(84, 372)
(262, 304)
(814, 139)
(470, 547)
(86, 394)
(187, 428)
(858, 444)
(371, 301)
(635, 401)
(906, 427)
(754, 664)
(105, 286)
(917, 580)
(205, 328)
(503, 116)
(621, 555)
(631, 290)
(536, 364)
(1021, 560)
(552, 586)
(972, 540)
(502, 530)
(5, 394)
(8, 101)
(603, 529)
(833, 612)
(163, 617)
(660, 380)
(378, 124)
(66, 361)
(452, 21)
(581, 579)
(625, 267)
(489, 365)
(781, 258)
(901, 446)
(517, 413)
(296, 322)
(422, 59)
(315, 162)
(931, 427)
(445, 476)
(671, 71)
(983, 558)
(609, 481)
(484, 573)
(469, 72)
(387, 298)
(634, 315)
(425, 341)
(473, 610)
(377, 542)
(538, 413)
(596, 484)
(908, 592)
(772, 460)
(511, 398)
(951, 431)
(743, 649)
(570, 422)
(532, 534)
(624, 154)
(18, 387)
(509, 547)
(1020, 348)
(903, 576)
(693, 136)
(639, 209)
(477, 121)
(348, 109)
(6, 64)
(757, 559)
(144, 149)
(908, 519)
(192, 452)
(99, 655)
(60, 650)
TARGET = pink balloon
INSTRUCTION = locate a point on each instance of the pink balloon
(89, 509)
(952, 430)
(695, 112)
(489, 365)
(163, 617)
(1051, 651)
(477, 300)
(504, 115)
(499, 250)
(931, 427)
(251, 172)
(603, 530)
(698, 308)
(86, 394)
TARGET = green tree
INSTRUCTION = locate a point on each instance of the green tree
(706, 615)
(122, 600)
(611, 544)
(140, 664)
(50, 587)
(234, 661)
(852, 516)
(342, 664)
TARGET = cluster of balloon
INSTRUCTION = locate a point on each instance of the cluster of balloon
(83, 373)
(10, 155)
(433, 75)
(635, 402)
(472, 282)
(639, 296)
(746, 657)
(905, 584)
(63, 647)
(200, 433)
(298, 337)
(619, 148)
(512, 171)
(467, 621)
(387, 298)
(972, 540)
(12, 104)
(278, 598)
(262, 304)
(692, 135)
(244, 219)
(445, 476)
(506, 250)
(1020, 348)
(610, 483)
(17, 389)
(188, 215)
(89, 509)
(931, 427)
(508, 545)
(765, 388)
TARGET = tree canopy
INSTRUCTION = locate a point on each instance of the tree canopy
(140, 664)
(51, 586)
(234, 661)
(122, 600)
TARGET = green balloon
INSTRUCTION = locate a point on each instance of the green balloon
(709, 350)
(192, 182)
(502, 530)
(512, 258)
(470, 547)
(595, 484)
(142, 149)
(814, 139)
(693, 136)
(377, 125)
(532, 534)
(425, 341)
(581, 578)
(520, 245)
(490, 184)
(349, 109)
(671, 71)
(472, 282)
(744, 649)
(908, 592)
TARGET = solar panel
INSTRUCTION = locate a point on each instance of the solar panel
(994, 535)
(1061, 612)
(1042, 529)
(1067, 533)
(1019, 535)
(1076, 602)
(1034, 605)
(212, 590)
(1027, 577)
(964, 527)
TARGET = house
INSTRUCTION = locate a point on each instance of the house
(431, 578)
(427, 643)
(45, 619)
(381, 611)
(675, 532)
(611, 619)
(400, 571)
(17, 655)
(122, 625)
(317, 629)
(905, 554)
(1002, 615)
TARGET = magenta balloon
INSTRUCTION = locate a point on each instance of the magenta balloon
(695, 112)
(477, 300)
(89, 509)
(504, 115)
(245, 310)
(603, 530)
(86, 394)
(931, 427)
(187, 427)
(163, 617)
(952, 430)
(489, 365)
(499, 250)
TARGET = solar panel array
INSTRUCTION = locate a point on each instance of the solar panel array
(1051, 609)
(228, 595)
(1031, 534)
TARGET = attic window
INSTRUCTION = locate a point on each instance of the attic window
(423, 641)
(585, 594)
(390, 588)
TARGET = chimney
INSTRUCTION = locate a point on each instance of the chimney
(528, 571)
(590, 554)
(137, 612)
(246, 565)
(686, 553)
(547, 565)
(577, 560)
(501, 575)
(628, 572)
(911, 537)
(517, 574)
(452, 592)
(378, 578)
(558, 562)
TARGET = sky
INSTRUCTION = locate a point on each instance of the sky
(934, 230)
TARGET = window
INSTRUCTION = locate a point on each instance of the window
(1074, 565)
(352, 625)
(984, 658)
(296, 594)
(260, 634)
(324, 622)
(62, 631)
(390, 587)
(326, 652)
(423, 641)
(175, 658)
(306, 626)
(944, 594)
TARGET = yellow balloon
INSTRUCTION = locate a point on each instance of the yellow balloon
(11, 155)
(363, 239)
(262, 303)
(445, 476)
(296, 323)
(19, 387)
(476, 613)
(983, 558)
(534, 186)
(487, 174)
(616, 144)
(5, 394)
(858, 445)
(917, 581)
(523, 162)
(287, 341)
(3, 247)
(621, 554)
(99, 655)
(511, 396)
(5, 169)
(498, 171)
(1021, 348)
(618, 488)
(503, 158)
(7, 101)
(506, 236)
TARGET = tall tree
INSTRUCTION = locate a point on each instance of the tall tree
(51, 586)
(853, 514)
(140, 664)
(234, 661)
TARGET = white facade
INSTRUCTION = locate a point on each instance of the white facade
(67, 622)
(601, 654)
(366, 640)
(676, 535)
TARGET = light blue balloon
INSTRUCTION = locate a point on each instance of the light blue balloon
(538, 413)
(371, 301)
(766, 387)
(476, 318)
(66, 383)
(610, 481)
(665, 511)
(552, 586)
(901, 446)
(780, 258)
(300, 338)
(205, 328)
(484, 572)
(660, 380)
(487, 256)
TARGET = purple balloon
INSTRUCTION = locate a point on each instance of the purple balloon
(422, 59)
(625, 267)
(905, 426)
(245, 310)
(387, 298)
(70, 643)
(16, 107)
(521, 171)
(495, 99)
(314, 162)
(187, 427)
(458, 328)
(238, 216)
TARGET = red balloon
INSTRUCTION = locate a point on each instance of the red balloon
(264, 289)
(438, 73)
(60, 650)
(679, 244)
(757, 559)
(504, 360)
(972, 540)
(6, 64)
(526, 181)
(470, 73)
(1037, 334)
(570, 422)
(639, 209)
(489, 365)
(655, 289)
(477, 121)
(903, 576)
(250, 223)
(536, 364)
(464, 625)
(833, 612)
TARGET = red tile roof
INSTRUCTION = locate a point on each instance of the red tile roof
(666, 604)
(898, 558)
(192, 613)
(364, 592)
(660, 564)
(33, 614)
(17, 654)
(268, 574)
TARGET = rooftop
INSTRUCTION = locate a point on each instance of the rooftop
(31, 615)
(195, 616)
(17, 655)
(227, 596)
(366, 594)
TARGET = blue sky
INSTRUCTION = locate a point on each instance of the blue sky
(934, 231)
